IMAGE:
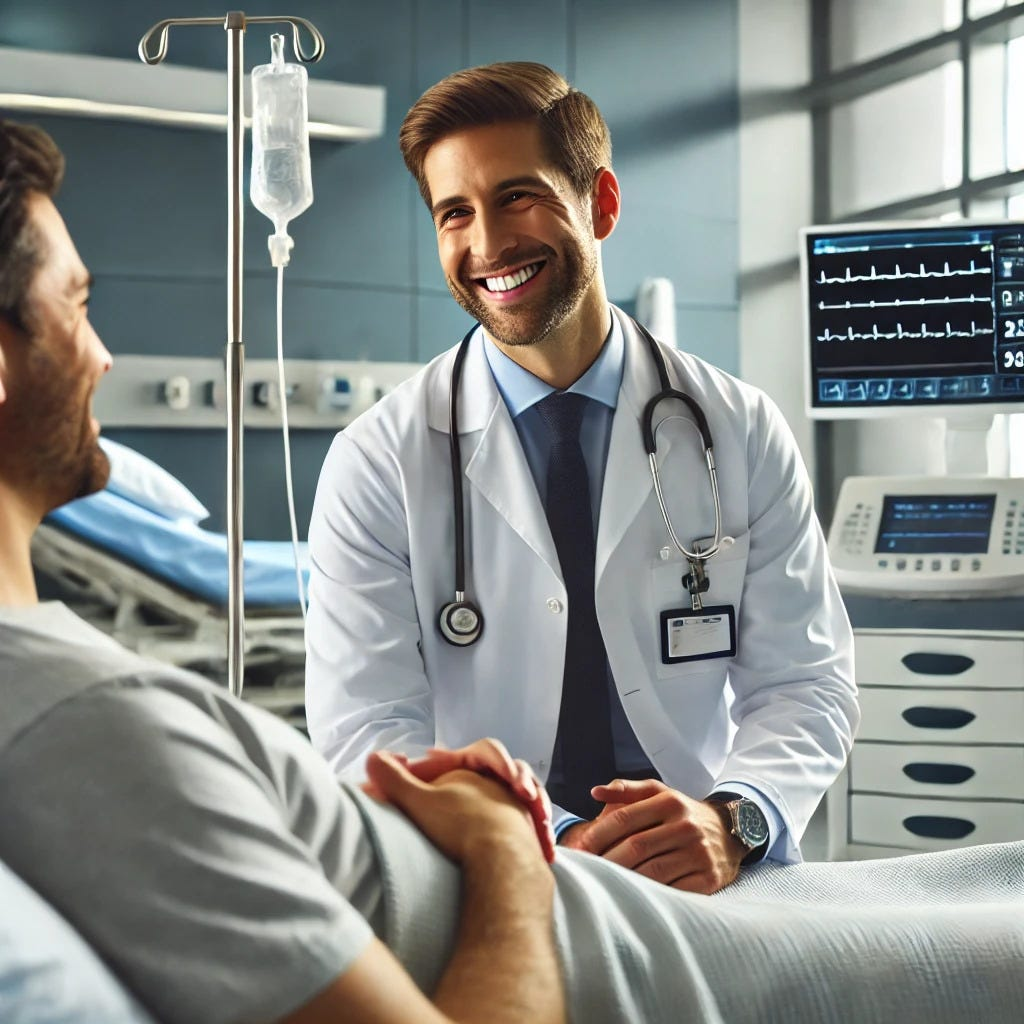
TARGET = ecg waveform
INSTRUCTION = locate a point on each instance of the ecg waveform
(903, 303)
(876, 335)
(886, 306)
(898, 275)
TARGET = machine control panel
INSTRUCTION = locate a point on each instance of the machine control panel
(929, 536)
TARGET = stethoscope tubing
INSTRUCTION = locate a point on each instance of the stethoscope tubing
(455, 452)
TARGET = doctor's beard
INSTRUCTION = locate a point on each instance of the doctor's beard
(530, 321)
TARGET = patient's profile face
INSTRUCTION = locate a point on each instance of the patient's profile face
(51, 376)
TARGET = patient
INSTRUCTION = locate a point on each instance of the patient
(207, 854)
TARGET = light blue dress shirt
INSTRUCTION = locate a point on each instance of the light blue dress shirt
(521, 391)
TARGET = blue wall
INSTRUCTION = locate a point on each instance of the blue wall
(146, 205)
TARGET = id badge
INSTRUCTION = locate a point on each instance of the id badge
(687, 635)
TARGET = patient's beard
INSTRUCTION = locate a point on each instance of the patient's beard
(52, 437)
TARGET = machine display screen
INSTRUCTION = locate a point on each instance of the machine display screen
(932, 524)
(914, 316)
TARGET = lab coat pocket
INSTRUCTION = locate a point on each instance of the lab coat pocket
(726, 572)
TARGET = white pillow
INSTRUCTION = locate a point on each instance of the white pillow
(48, 975)
(141, 480)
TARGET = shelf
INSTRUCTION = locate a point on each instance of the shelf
(111, 88)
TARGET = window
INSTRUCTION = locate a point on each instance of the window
(865, 29)
(903, 140)
(898, 141)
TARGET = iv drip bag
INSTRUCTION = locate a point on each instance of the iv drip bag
(282, 184)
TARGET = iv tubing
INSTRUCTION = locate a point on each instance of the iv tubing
(283, 401)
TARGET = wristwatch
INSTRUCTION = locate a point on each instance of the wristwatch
(749, 825)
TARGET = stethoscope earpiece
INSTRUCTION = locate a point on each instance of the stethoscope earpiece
(461, 623)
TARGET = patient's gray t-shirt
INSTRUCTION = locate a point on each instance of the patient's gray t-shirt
(195, 841)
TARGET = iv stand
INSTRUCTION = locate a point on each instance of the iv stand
(234, 23)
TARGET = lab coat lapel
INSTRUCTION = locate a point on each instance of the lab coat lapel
(627, 475)
(494, 459)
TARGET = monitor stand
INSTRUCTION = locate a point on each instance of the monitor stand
(976, 446)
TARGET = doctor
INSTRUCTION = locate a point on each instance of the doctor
(501, 564)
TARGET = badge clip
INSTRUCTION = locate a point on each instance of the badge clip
(696, 582)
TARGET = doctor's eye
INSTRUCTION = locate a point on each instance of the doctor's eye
(454, 213)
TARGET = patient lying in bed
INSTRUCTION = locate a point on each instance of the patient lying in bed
(208, 855)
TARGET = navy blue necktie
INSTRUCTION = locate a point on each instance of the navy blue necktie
(584, 744)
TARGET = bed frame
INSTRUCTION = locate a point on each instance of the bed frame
(160, 621)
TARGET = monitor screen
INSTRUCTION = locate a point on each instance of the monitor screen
(933, 524)
(913, 317)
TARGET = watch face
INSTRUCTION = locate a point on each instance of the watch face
(751, 824)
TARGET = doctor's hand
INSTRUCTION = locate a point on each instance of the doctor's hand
(662, 834)
(488, 757)
(466, 815)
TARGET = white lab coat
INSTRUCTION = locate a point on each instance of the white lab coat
(380, 675)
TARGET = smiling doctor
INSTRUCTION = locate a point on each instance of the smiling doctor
(565, 535)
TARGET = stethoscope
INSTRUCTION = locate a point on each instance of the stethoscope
(461, 622)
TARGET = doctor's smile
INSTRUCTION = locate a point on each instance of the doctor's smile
(511, 282)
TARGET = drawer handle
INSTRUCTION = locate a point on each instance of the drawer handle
(938, 718)
(934, 827)
(941, 774)
(926, 664)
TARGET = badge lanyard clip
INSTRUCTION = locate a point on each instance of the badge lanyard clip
(696, 583)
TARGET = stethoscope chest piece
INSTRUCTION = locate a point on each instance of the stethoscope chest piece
(461, 623)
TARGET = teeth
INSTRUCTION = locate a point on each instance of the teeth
(510, 281)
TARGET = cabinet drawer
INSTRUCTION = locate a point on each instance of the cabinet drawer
(938, 659)
(943, 771)
(942, 716)
(933, 824)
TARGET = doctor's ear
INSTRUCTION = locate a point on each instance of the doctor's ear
(606, 203)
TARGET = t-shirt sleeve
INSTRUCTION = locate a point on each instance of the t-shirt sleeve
(143, 821)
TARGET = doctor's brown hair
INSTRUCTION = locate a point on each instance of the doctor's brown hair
(575, 136)
(29, 162)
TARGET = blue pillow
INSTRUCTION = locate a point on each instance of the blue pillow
(48, 975)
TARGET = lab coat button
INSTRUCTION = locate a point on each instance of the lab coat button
(665, 553)
(554, 605)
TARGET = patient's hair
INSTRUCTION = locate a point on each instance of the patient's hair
(29, 162)
(575, 136)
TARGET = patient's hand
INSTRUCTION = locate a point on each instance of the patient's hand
(462, 812)
(488, 757)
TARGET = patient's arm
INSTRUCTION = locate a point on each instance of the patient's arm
(505, 966)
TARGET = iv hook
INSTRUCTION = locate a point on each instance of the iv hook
(163, 27)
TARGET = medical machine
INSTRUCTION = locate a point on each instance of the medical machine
(925, 319)
(909, 321)
(280, 189)
(929, 536)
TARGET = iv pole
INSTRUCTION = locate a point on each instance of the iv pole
(234, 23)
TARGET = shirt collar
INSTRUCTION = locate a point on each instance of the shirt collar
(520, 389)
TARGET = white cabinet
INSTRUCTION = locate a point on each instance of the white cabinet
(938, 761)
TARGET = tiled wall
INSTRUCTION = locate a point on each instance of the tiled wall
(146, 205)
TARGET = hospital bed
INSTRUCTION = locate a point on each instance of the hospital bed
(160, 587)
